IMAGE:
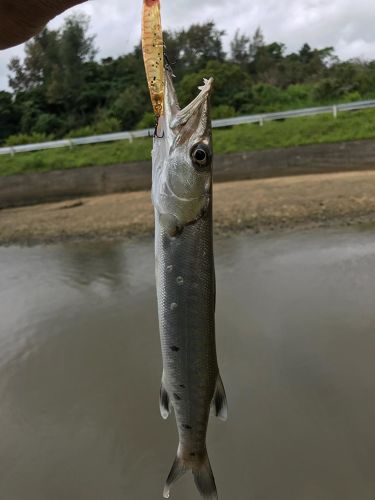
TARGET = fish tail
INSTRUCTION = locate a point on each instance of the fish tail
(203, 477)
(177, 471)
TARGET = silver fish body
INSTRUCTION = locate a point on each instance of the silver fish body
(185, 276)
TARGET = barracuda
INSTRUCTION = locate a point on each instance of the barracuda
(185, 276)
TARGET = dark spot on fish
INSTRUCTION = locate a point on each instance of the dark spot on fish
(192, 454)
(175, 348)
(188, 427)
(182, 386)
(177, 397)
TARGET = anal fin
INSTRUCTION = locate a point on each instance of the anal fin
(164, 401)
(219, 405)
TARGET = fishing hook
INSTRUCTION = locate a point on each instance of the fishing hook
(168, 63)
(156, 130)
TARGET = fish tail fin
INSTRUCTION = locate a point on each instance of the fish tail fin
(204, 479)
(219, 405)
(203, 476)
(177, 471)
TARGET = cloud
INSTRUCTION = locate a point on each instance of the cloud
(343, 24)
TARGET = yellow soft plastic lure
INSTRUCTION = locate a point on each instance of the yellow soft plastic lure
(153, 53)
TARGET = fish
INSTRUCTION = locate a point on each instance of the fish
(153, 53)
(185, 280)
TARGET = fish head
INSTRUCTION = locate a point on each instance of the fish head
(182, 159)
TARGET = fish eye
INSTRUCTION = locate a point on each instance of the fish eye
(200, 155)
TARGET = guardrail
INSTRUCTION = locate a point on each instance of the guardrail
(225, 122)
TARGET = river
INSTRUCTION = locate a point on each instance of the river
(80, 370)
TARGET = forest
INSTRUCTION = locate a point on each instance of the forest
(61, 89)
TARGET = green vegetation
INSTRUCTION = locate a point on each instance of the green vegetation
(292, 132)
(60, 89)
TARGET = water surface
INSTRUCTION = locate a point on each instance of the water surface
(80, 371)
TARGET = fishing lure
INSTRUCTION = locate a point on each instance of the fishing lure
(153, 54)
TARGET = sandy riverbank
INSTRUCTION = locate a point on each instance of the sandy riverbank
(257, 205)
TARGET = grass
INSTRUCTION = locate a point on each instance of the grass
(293, 132)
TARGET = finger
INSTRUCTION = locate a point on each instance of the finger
(22, 19)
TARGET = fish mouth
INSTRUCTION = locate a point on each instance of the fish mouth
(192, 109)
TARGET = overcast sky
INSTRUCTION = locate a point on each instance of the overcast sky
(345, 24)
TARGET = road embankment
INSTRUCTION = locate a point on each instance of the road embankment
(58, 185)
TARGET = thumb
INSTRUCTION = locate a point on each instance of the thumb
(22, 19)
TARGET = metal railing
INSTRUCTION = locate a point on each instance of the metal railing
(225, 122)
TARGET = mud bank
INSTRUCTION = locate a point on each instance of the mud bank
(255, 205)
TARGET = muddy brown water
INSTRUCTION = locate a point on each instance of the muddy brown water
(80, 370)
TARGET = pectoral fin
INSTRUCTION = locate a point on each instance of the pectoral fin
(219, 405)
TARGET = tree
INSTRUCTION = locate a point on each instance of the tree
(129, 107)
(9, 115)
(230, 81)
(256, 43)
(305, 54)
(75, 48)
(240, 49)
(191, 49)
(59, 88)
(41, 55)
(52, 80)
(267, 64)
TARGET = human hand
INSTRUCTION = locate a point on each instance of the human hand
(22, 19)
